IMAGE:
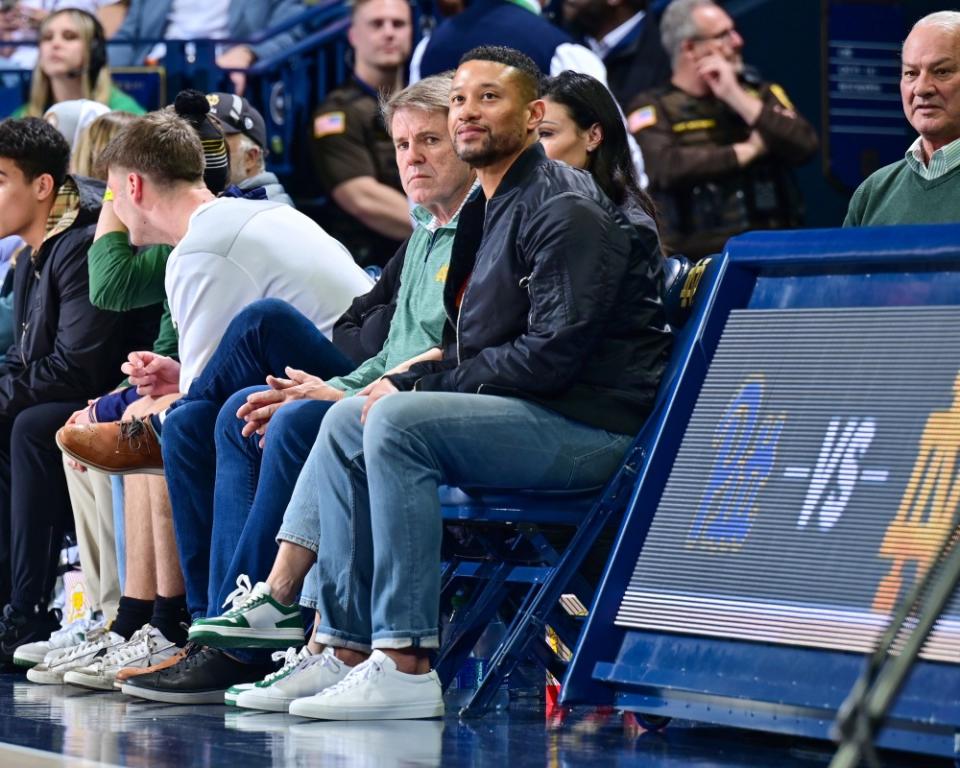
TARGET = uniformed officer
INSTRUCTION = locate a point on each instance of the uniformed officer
(718, 142)
(353, 156)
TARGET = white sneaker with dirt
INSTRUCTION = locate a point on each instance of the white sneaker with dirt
(97, 643)
(147, 647)
(256, 620)
(303, 674)
(375, 690)
(61, 641)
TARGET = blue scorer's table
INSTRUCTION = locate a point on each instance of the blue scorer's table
(804, 478)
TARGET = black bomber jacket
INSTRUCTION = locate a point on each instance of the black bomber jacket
(553, 296)
(64, 348)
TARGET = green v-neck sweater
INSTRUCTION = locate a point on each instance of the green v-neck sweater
(897, 195)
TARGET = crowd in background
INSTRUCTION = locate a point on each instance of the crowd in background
(489, 273)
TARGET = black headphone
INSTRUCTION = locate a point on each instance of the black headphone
(98, 46)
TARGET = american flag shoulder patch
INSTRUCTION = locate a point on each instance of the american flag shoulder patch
(329, 124)
(642, 118)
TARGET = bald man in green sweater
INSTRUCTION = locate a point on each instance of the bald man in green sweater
(924, 187)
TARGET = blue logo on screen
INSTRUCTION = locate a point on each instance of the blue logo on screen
(746, 449)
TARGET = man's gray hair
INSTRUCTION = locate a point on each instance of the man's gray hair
(947, 20)
(677, 25)
(246, 143)
(432, 94)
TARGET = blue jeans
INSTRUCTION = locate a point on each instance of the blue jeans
(366, 501)
(247, 513)
(262, 339)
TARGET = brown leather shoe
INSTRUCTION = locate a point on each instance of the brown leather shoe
(117, 448)
(126, 673)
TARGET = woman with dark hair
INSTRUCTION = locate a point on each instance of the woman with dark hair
(584, 128)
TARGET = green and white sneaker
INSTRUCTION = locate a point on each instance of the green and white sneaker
(233, 692)
(303, 674)
(290, 658)
(256, 620)
(230, 695)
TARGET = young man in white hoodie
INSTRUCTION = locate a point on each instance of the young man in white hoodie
(228, 252)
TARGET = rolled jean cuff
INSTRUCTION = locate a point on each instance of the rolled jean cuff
(337, 639)
(312, 544)
(396, 640)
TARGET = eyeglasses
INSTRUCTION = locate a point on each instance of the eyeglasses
(725, 36)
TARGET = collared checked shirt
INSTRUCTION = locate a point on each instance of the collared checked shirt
(942, 162)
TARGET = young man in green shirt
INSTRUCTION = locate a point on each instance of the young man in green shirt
(924, 187)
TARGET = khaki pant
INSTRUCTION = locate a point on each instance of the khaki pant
(92, 501)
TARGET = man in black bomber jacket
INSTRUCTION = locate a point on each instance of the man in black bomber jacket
(556, 344)
(65, 351)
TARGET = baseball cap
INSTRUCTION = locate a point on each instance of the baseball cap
(236, 115)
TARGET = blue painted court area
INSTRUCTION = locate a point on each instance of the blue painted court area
(62, 725)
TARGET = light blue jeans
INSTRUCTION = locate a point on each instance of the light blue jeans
(366, 501)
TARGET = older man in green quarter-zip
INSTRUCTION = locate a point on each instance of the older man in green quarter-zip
(924, 187)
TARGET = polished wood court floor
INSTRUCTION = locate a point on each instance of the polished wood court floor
(43, 726)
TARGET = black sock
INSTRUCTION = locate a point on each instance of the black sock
(131, 615)
(170, 616)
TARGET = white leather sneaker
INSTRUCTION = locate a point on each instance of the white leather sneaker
(375, 690)
(97, 643)
(303, 674)
(61, 641)
(147, 647)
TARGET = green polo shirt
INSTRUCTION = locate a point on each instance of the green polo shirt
(417, 323)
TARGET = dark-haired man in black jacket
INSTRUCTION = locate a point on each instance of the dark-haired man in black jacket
(555, 344)
(65, 351)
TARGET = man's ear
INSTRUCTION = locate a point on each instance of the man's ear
(538, 109)
(134, 185)
(44, 187)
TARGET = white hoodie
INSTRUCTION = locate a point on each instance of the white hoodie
(236, 251)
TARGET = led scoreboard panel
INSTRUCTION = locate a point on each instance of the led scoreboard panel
(801, 472)
(832, 478)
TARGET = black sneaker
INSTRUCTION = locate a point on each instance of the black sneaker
(200, 677)
(18, 629)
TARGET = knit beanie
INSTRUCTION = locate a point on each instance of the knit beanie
(193, 107)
